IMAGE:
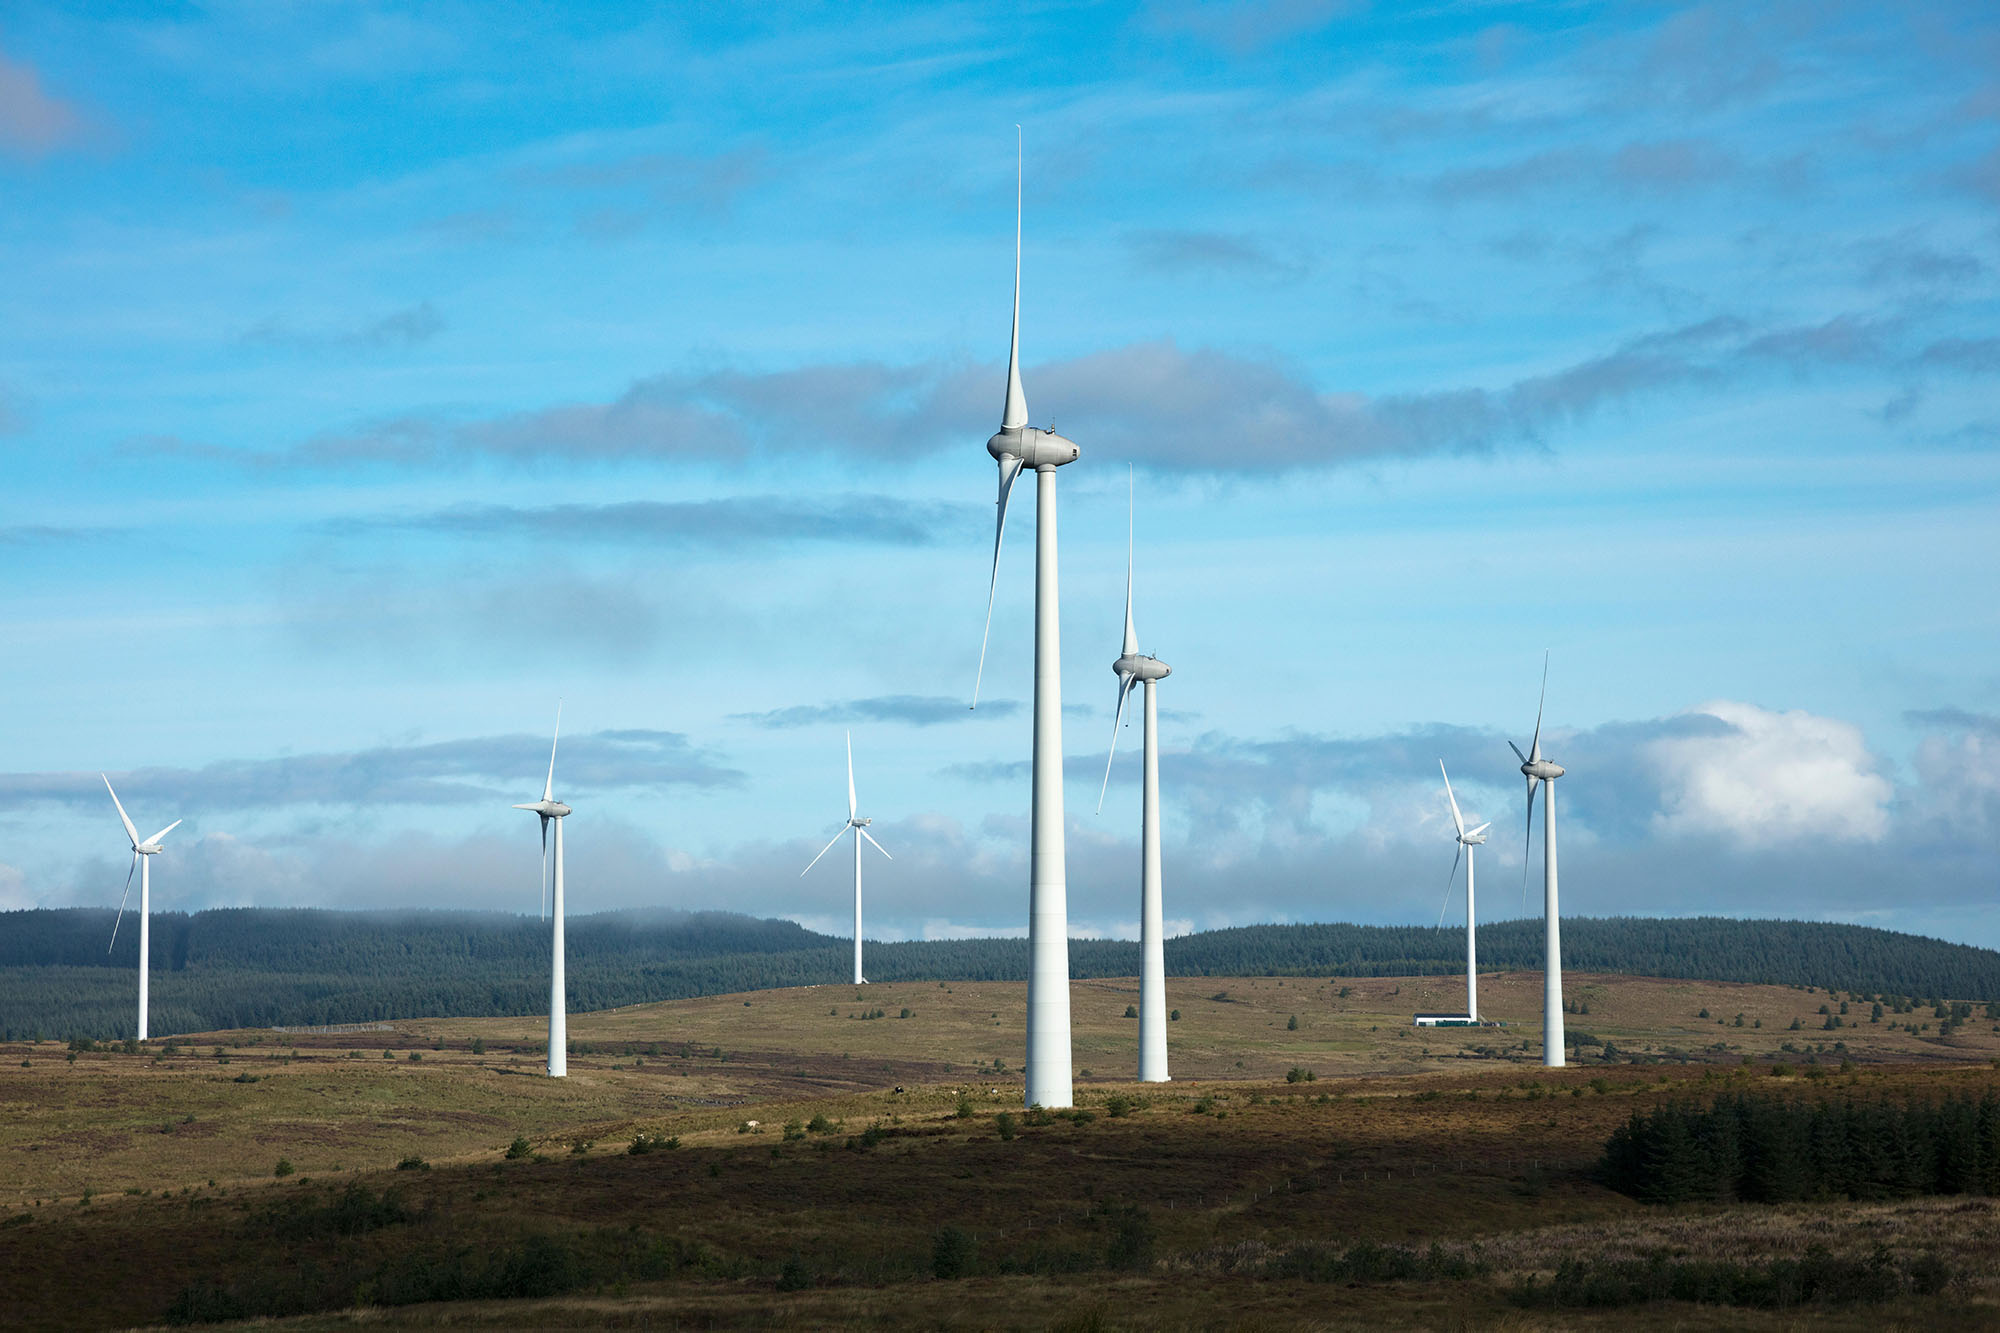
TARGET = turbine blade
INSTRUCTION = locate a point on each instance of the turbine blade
(1473, 833)
(545, 867)
(1457, 821)
(123, 818)
(850, 775)
(871, 838)
(165, 831)
(1124, 688)
(1535, 746)
(1131, 635)
(1453, 879)
(549, 787)
(1010, 468)
(1014, 413)
(824, 850)
(1517, 752)
(116, 921)
(1527, 837)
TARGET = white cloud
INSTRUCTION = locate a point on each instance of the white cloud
(1960, 777)
(1768, 777)
(14, 895)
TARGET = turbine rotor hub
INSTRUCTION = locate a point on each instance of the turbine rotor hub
(1035, 448)
(1546, 770)
(1142, 668)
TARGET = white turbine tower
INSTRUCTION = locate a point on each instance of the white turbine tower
(1017, 445)
(1538, 771)
(552, 811)
(142, 861)
(1467, 840)
(1133, 669)
(860, 828)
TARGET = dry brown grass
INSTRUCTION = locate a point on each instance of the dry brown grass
(1388, 1144)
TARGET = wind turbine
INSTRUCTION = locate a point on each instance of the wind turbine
(1014, 446)
(1538, 770)
(860, 827)
(1467, 840)
(1132, 669)
(142, 861)
(552, 811)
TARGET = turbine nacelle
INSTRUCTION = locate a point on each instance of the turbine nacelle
(858, 822)
(1542, 770)
(1141, 668)
(546, 809)
(1036, 448)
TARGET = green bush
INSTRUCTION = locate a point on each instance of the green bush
(518, 1149)
(1003, 1124)
(645, 1143)
(284, 1167)
(953, 1254)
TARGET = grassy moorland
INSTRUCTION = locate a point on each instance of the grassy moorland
(1231, 1197)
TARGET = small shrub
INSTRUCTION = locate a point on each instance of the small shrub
(410, 1163)
(795, 1275)
(1292, 1023)
(645, 1143)
(1174, 1017)
(416, 1056)
(386, 1054)
(518, 1149)
(1299, 1074)
(819, 1124)
(1003, 1124)
(953, 1254)
(284, 1167)
(1117, 1105)
(479, 1045)
(1131, 1011)
(963, 1111)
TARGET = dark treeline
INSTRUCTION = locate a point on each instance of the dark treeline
(1763, 1149)
(262, 967)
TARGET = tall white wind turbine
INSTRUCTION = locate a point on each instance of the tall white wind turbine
(1538, 770)
(860, 829)
(552, 811)
(1133, 669)
(142, 861)
(1014, 446)
(1467, 840)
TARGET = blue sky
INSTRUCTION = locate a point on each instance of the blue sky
(371, 376)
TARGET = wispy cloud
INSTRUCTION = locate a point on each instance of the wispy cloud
(480, 769)
(914, 710)
(33, 122)
(407, 327)
(1177, 252)
(732, 523)
(1155, 403)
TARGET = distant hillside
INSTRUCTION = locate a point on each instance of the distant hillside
(259, 967)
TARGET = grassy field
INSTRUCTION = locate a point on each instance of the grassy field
(819, 1154)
